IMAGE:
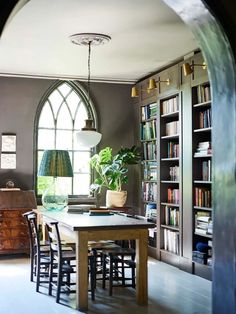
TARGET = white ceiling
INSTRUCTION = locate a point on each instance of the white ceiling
(146, 35)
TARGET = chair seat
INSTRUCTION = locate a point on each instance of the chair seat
(119, 251)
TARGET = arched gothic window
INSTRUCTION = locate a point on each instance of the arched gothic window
(62, 112)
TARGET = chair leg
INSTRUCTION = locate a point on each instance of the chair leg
(92, 265)
(38, 273)
(31, 267)
(111, 275)
(104, 271)
(133, 277)
(59, 283)
(50, 279)
(123, 270)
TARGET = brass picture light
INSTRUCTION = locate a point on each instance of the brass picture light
(188, 68)
(152, 84)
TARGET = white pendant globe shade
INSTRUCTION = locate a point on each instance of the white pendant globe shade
(88, 138)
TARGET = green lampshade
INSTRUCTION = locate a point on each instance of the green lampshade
(55, 163)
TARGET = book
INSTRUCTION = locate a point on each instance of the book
(79, 208)
(98, 212)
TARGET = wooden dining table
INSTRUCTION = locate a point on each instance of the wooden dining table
(84, 227)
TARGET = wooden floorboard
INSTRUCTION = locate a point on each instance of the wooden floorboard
(171, 291)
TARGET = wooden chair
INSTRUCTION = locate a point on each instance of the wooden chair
(119, 267)
(63, 265)
(39, 252)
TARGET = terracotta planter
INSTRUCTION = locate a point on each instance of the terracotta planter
(115, 198)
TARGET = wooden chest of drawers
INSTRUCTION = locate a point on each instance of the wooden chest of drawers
(14, 236)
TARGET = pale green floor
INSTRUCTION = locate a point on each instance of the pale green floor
(170, 291)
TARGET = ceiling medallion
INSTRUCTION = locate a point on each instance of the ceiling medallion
(84, 39)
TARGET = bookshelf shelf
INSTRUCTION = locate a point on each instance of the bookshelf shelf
(149, 181)
(170, 204)
(203, 104)
(169, 182)
(170, 159)
(149, 140)
(202, 208)
(202, 182)
(203, 235)
(167, 137)
(148, 120)
(170, 114)
(203, 156)
(170, 227)
(202, 130)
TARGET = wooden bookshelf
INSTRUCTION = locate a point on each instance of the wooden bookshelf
(202, 179)
(180, 150)
(170, 176)
(149, 165)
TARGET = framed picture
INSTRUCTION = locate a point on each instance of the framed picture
(8, 161)
(8, 142)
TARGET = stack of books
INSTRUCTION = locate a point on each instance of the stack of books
(203, 149)
(200, 257)
(203, 223)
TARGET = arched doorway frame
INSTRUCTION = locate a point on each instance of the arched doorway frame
(219, 57)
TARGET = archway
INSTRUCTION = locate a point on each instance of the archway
(221, 66)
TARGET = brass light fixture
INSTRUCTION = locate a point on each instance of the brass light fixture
(152, 84)
(188, 69)
(88, 136)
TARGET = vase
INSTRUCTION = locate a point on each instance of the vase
(115, 198)
(54, 198)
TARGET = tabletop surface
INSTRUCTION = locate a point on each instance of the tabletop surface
(84, 221)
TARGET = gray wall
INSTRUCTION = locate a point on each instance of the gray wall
(19, 99)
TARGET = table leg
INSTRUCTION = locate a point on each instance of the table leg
(82, 270)
(141, 268)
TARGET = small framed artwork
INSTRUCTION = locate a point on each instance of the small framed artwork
(8, 142)
(8, 161)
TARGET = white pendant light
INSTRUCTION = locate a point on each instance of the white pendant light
(88, 136)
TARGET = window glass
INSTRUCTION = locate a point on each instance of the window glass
(80, 118)
(81, 162)
(55, 100)
(64, 120)
(81, 184)
(46, 139)
(73, 101)
(46, 118)
(64, 139)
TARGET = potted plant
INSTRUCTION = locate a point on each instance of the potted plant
(112, 173)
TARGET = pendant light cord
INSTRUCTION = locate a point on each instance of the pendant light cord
(89, 57)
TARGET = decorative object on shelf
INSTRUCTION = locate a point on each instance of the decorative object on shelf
(55, 163)
(112, 172)
(10, 184)
(152, 84)
(188, 69)
(88, 136)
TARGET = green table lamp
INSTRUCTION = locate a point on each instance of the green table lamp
(55, 163)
